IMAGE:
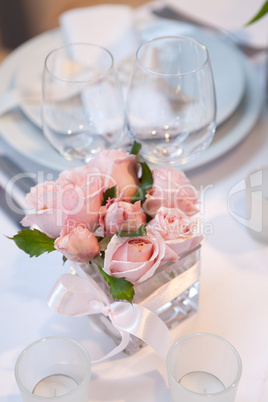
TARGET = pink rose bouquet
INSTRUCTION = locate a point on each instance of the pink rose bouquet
(116, 212)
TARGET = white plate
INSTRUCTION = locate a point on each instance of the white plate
(28, 139)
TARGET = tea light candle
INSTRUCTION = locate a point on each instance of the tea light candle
(203, 367)
(55, 385)
(202, 382)
(54, 369)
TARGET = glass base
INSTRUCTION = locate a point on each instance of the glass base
(172, 294)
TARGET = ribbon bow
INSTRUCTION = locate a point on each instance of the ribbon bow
(75, 296)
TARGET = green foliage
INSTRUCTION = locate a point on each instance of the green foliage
(146, 183)
(119, 288)
(139, 232)
(103, 243)
(33, 242)
(109, 193)
(260, 14)
(135, 148)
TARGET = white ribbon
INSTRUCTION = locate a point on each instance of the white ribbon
(75, 296)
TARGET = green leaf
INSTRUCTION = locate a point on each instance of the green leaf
(119, 287)
(33, 242)
(103, 243)
(110, 193)
(135, 148)
(64, 259)
(260, 14)
(139, 232)
(146, 183)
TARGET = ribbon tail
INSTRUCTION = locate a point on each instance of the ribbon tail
(119, 348)
(143, 323)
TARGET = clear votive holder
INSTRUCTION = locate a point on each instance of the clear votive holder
(203, 367)
(54, 369)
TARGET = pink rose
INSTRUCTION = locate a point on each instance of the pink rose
(77, 243)
(119, 215)
(42, 196)
(80, 176)
(117, 168)
(134, 258)
(76, 195)
(171, 189)
(176, 228)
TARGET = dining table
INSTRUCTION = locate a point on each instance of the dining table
(233, 293)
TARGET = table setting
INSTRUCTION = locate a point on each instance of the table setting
(136, 266)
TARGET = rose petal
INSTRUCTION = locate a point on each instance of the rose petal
(48, 221)
(133, 272)
(139, 251)
(181, 246)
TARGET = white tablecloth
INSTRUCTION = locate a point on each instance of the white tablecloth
(233, 291)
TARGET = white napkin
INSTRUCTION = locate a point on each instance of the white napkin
(229, 15)
(108, 25)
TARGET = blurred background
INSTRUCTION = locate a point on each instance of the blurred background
(20, 20)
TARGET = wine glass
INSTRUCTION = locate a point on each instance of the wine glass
(171, 104)
(82, 104)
